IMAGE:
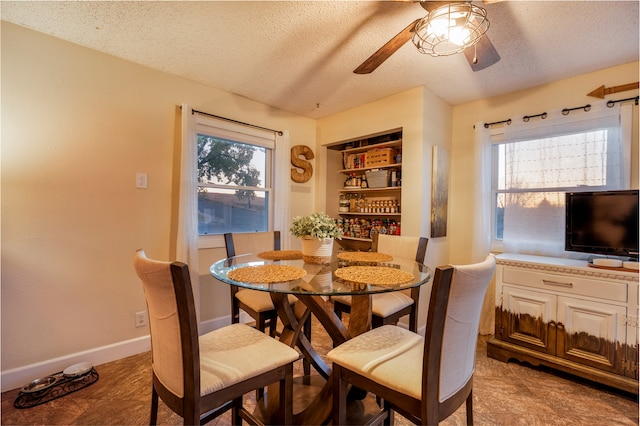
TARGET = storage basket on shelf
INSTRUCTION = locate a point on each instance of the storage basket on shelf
(378, 178)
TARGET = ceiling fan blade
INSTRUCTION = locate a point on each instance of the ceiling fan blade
(482, 55)
(390, 47)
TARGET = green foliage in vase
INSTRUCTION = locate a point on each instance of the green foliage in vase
(318, 225)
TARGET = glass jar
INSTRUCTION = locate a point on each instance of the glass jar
(343, 204)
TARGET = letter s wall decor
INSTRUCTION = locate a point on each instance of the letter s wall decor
(296, 152)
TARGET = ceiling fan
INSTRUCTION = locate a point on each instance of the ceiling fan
(450, 27)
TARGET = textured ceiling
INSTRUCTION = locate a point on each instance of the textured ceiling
(299, 56)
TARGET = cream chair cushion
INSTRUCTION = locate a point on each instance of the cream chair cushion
(388, 355)
(259, 301)
(237, 352)
(383, 304)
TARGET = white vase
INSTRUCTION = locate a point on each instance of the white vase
(317, 251)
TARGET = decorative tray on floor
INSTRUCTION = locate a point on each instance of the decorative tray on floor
(54, 386)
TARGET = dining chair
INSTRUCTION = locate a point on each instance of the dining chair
(425, 379)
(388, 308)
(200, 377)
(258, 304)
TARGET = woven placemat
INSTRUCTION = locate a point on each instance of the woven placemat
(281, 255)
(377, 275)
(266, 274)
(364, 256)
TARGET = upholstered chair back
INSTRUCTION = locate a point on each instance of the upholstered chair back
(164, 321)
(468, 286)
(400, 246)
(254, 242)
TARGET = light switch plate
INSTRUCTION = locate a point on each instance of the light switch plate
(141, 180)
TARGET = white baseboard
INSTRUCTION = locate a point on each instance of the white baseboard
(216, 323)
(18, 377)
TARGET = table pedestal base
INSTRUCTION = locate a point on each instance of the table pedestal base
(306, 389)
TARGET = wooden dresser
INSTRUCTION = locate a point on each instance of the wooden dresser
(568, 315)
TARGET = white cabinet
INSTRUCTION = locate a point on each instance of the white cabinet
(567, 315)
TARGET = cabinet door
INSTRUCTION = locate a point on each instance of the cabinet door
(530, 319)
(591, 333)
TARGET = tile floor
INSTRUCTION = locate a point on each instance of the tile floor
(504, 394)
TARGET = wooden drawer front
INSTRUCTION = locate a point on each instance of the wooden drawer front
(606, 290)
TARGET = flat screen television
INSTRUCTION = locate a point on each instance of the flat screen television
(602, 222)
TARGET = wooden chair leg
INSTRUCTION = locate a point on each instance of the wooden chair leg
(235, 411)
(285, 414)
(273, 322)
(191, 413)
(339, 397)
(261, 324)
(413, 321)
(389, 419)
(153, 419)
(470, 408)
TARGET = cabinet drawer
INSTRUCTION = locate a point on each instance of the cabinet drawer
(576, 286)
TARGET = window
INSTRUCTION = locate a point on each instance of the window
(532, 171)
(234, 179)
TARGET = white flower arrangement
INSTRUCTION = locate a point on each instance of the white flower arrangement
(317, 225)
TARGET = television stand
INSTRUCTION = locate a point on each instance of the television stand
(567, 315)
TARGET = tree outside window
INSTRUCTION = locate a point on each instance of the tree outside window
(233, 189)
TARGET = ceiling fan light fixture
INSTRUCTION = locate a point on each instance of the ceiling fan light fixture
(450, 29)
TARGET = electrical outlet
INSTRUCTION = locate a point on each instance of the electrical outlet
(141, 319)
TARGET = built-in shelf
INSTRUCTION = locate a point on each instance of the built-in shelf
(386, 188)
(365, 148)
(366, 240)
(368, 214)
(364, 169)
(356, 151)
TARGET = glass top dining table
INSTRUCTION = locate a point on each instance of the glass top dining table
(321, 280)
(313, 291)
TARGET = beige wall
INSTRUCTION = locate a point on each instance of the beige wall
(77, 125)
(561, 94)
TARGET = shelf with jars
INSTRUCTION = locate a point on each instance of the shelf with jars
(368, 189)
(358, 203)
(362, 228)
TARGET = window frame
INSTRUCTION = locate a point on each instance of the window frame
(243, 134)
(498, 136)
